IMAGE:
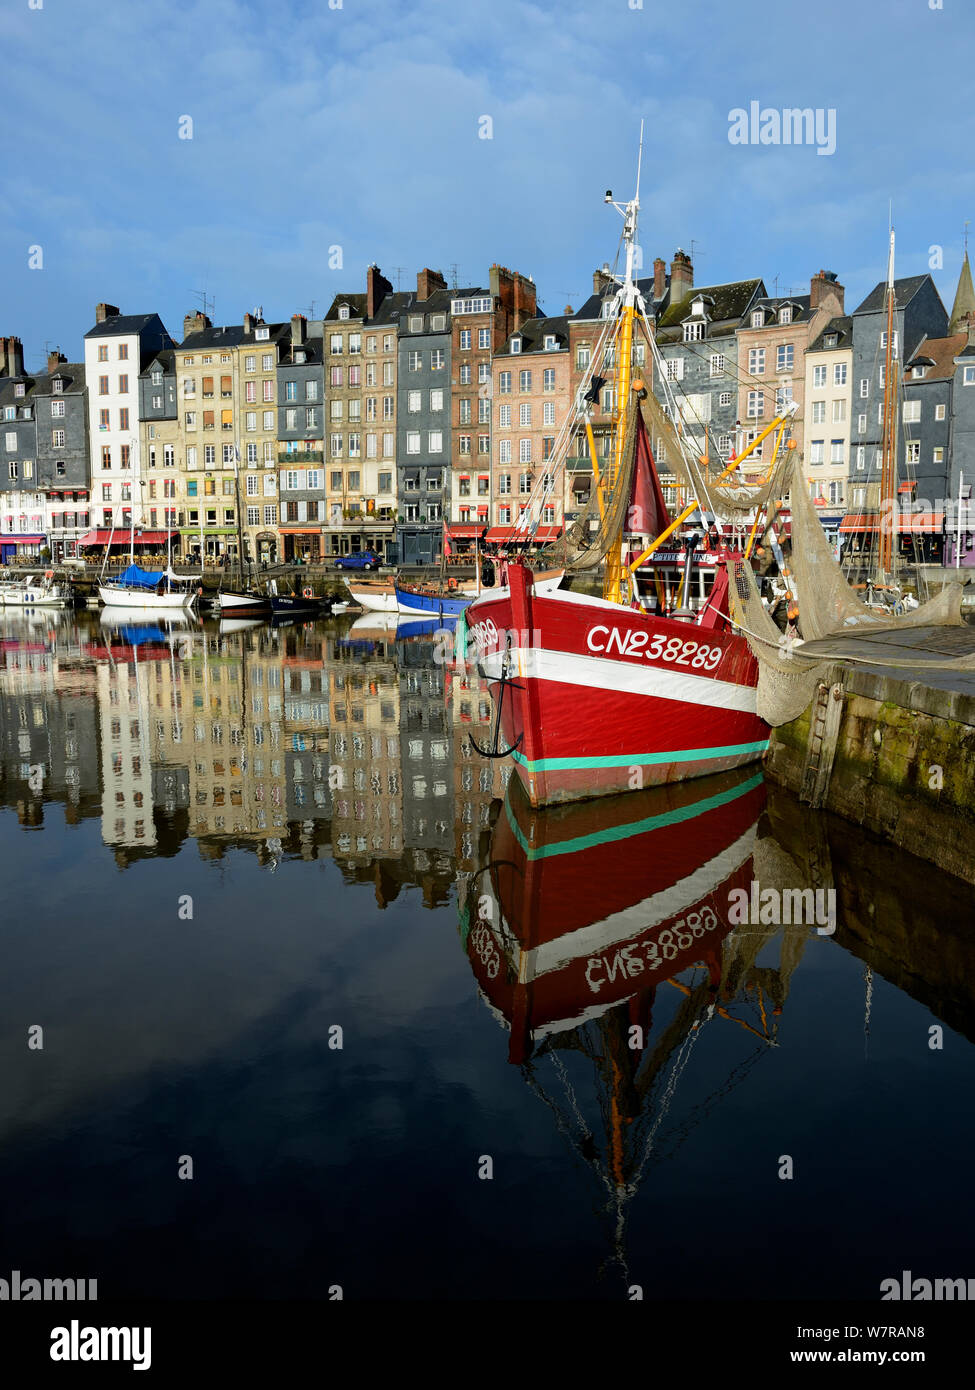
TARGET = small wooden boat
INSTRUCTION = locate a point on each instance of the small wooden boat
(240, 603)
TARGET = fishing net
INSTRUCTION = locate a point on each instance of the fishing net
(589, 539)
(828, 607)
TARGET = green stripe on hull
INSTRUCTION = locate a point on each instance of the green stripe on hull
(640, 827)
(677, 755)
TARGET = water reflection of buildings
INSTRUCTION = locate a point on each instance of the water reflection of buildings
(49, 730)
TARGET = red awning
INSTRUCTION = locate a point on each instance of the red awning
(465, 531)
(930, 523)
(509, 536)
(300, 530)
(8, 538)
(123, 537)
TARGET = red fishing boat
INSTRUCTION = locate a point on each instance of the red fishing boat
(645, 685)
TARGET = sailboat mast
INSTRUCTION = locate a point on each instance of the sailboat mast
(240, 533)
(628, 295)
(888, 470)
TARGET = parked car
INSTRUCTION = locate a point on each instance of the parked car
(358, 560)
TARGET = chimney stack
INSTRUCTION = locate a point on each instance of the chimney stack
(659, 277)
(602, 280)
(248, 323)
(681, 276)
(298, 326)
(54, 360)
(822, 288)
(427, 281)
(106, 311)
(195, 323)
(377, 288)
(11, 357)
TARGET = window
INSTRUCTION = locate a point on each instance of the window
(525, 414)
(861, 424)
(103, 385)
(893, 343)
(674, 367)
(939, 412)
(816, 451)
(524, 451)
(209, 455)
(938, 456)
(837, 451)
(414, 361)
(336, 485)
(725, 398)
(504, 451)
(262, 334)
(435, 441)
(57, 409)
(756, 405)
(103, 353)
(253, 516)
(335, 410)
(123, 418)
(819, 412)
(524, 381)
(819, 377)
(758, 318)
(783, 398)
(756, 361)
(413, 441)
(839, 412)
(389, 407)
(912, 412)
(860, 458)
(548, 413)
(968, 376)
(839, 373)
(250, 420)
(864, 386)
(693, 332)
(913, 451)
(716, 364)
(385, 482)
(438, 359)
(57, 439)
(436, 403)
(355, 443)
(465, 374)
(464, 339)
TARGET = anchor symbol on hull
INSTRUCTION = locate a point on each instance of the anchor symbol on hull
(504, 683)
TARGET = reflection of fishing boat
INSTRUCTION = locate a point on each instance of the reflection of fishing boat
(602, 937)
(229, 625)
(586, 905)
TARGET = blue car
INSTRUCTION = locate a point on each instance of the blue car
(358, 560)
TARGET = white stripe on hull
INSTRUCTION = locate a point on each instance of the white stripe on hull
(603, 673)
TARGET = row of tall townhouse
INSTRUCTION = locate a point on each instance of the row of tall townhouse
(400, 411)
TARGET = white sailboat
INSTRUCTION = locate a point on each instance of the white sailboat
(147, 589)
(34, 592)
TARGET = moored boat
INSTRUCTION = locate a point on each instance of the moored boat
(34, 592)
(375, 597)
(239, 603)
(155, 589)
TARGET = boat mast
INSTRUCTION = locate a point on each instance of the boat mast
(240, 534)
(628, 298)
(887, 519)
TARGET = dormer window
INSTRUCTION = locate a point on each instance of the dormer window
(157, 378)
(830, 340)
(693, 331)
(918, 372)
(516, 345)
(57, 385)
(785, 314)
(299, 355)
(19, 389)
(550, 342)
(757, 318)
(416, 323)
(608, 308)
(343, 311)
(262, 334)
(438, 323)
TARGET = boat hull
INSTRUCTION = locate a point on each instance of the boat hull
(284, 607)
(600, 699)
(234, 604)
(145, 599)
(430, 605)
(373, 598)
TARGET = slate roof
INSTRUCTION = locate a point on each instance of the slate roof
(357, 305)
(124, 323)
(731, 301)
(166, 357)
(964, 295)
(313, 348)
(842, 326)
(904, 292)
(533, 333)
(233, 336)
(772, 304)
(39, 384)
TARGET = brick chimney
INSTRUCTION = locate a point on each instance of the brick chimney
(195, 323)
(299, 326)
(525, 300)
(11, 357)
(427, 281)
(377, 288)
(681, 276)
(568, 310)
(602, 280)
(659, 277)
(54, 360)
(822, 288)
(248, 323)
(106, 311)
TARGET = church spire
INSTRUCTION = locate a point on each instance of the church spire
(963, 309)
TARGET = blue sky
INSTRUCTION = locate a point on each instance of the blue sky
(358, 127)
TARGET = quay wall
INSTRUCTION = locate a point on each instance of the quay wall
(903, 763)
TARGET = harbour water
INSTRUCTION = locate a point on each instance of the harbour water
(284, 931)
